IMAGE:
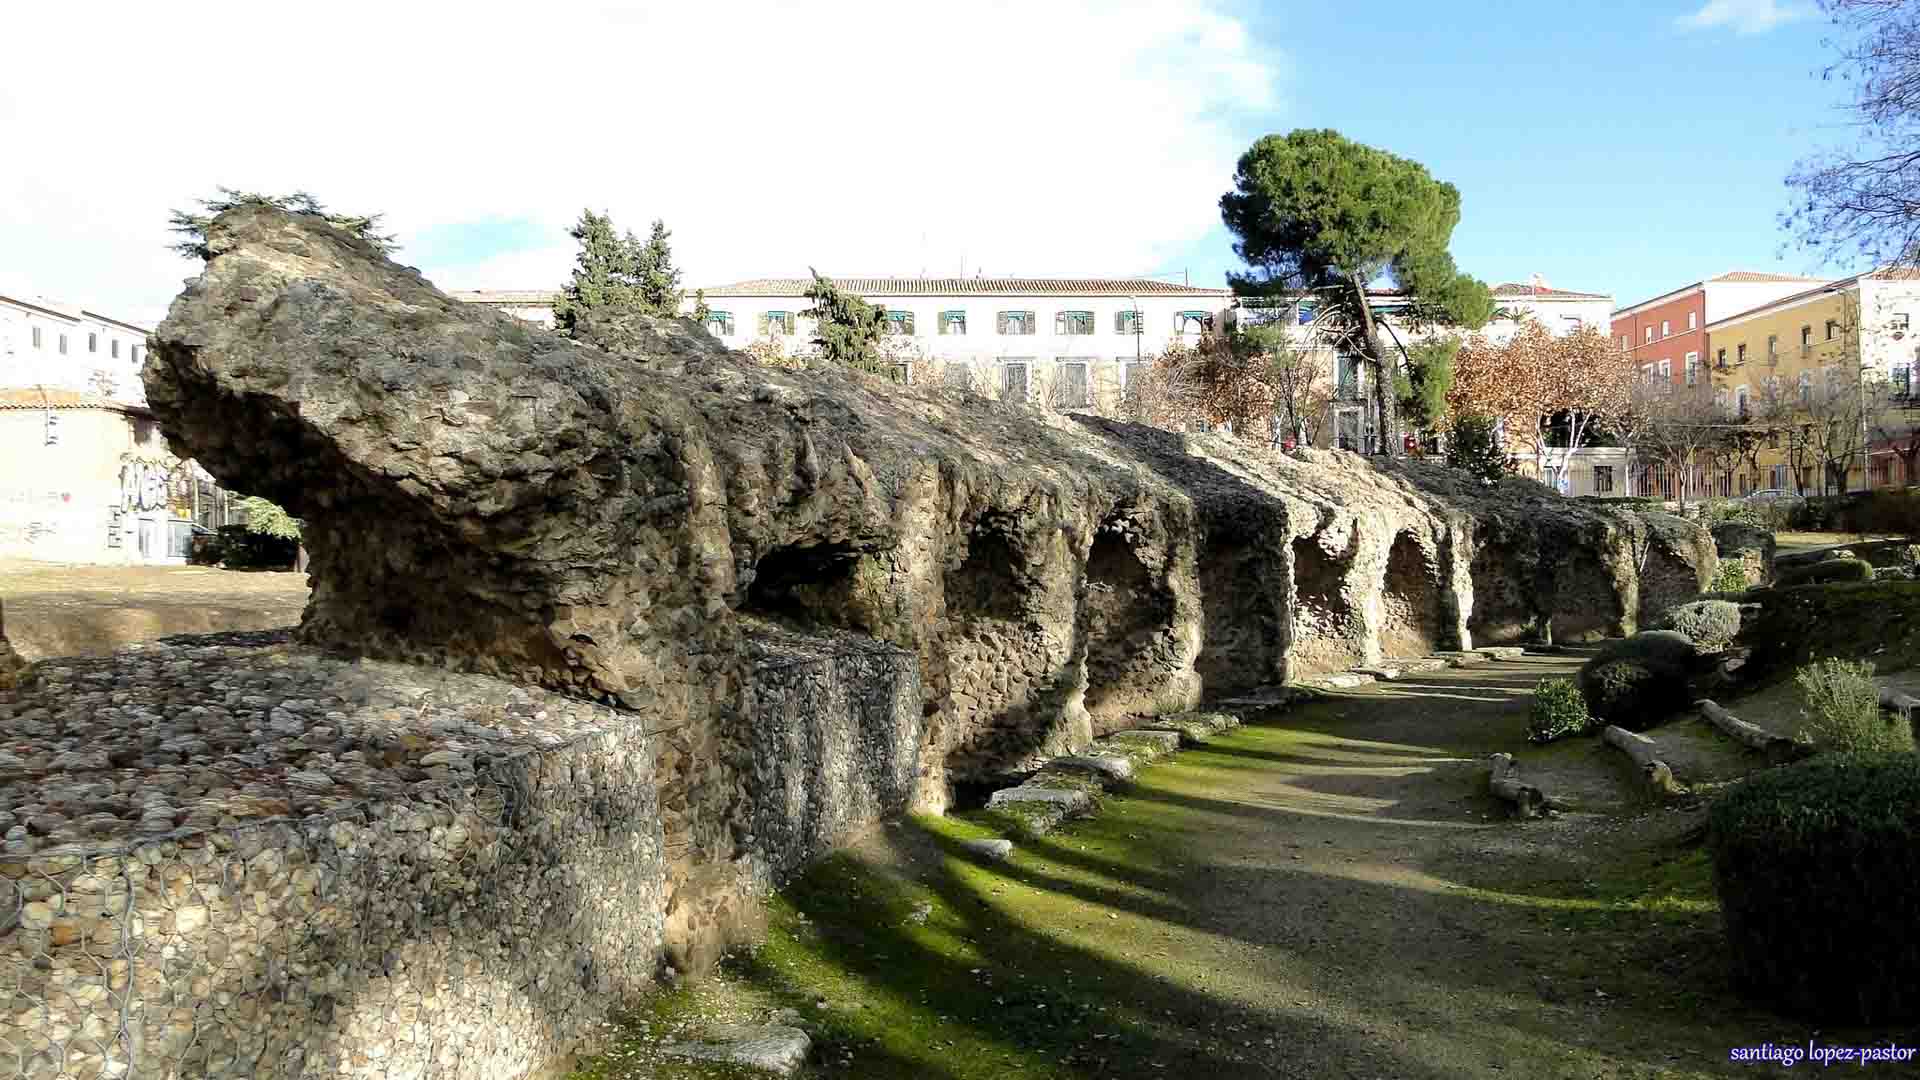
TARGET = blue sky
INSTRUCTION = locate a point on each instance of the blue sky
(1624, 148)
(1607, 147)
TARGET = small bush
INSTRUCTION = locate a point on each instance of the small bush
(1843, 708)
(1709, 624)
(1636, 682)
(1910, 558)
(1731, 576)
(1815, 865)
(1822, 573)
(1721, 511)
(1558, 710)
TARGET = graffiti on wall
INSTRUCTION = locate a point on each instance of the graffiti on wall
(144, 485)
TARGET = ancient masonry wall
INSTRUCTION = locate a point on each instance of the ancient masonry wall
(396, 872)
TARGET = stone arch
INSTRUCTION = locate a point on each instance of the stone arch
(1126, 616)
(1243, 630)
(1412, 618)
(1327, 630)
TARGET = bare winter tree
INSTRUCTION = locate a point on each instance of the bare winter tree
(1673, 427)
(1862, 199)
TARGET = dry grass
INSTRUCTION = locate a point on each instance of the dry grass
(64, 609)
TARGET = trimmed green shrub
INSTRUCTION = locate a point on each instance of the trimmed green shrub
(1822, 573)
(1731, 576)
(1710, 624)
(1815, 865)
(1910, 558)
(1843, 708)
(1558, 710)
(1636, 682)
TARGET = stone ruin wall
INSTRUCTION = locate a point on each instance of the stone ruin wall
(830, 599)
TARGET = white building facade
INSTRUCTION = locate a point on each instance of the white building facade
(85, 475)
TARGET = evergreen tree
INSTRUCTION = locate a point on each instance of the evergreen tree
(655, 275)
(1475, 447)
(1422, 388)
(192, 226)
(849, 328)
(1322, 218)
(700, 308)
(603, 275)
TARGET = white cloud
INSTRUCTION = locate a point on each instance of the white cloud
(1082, 136)
(1747, 16)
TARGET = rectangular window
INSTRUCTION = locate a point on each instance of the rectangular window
(1306, 313)
(1131, 371)
(1720, 358)
(901, 373)
(134, 354)
(1777, 477)
(720, 323)
(1623, 343)
(1014, 322)
(1693, 368)
(1127, 322)
(900, 322)
(1073, 322)
(1013, 380)
(1347, 378)
(776, 323)
(114, 348)
(1806, 336)
(1603, 479)
(1195, 321)
(63, 344)
(1899, 321)
(1666, 371)
(1722, 399)
(1666, 328)
(93, 343)
(953, 322)
(1833, 329)
(1880, 471)
(1691, 317)
(1347, 429)
(1900, 376)
(1649, 334)
(36, 337)
(1806, 388)
(1742, 406)
(1773, 439)
(1070, 384)
(1773, 348)
(1740, 353)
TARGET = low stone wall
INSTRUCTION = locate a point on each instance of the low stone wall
(316, 868)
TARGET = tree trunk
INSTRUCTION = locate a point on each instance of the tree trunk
(1503, 779)
(1382, 384)
(1778, 748)
(1646, 755)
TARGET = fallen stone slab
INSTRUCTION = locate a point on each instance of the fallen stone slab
(1336, 680)
(1420, 665)
(1463, 659)
(1069, 798)
(993, 849)
(1166, 741)
(1194, 728)
(771, 1048)
(1113, 767)
(1503, 652)
(1267, 697)
(1383, 672)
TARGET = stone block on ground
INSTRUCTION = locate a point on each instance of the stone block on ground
(1463, 659)
(1267, 697)
(1382, 672)
(1503, 652)
(1115, 768)
(1164, 741)
(1335, 680)
(1420, 665)
(991, 848)
(1069, 798)
(771, 1048)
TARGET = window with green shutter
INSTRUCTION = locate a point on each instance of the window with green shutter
(953, 322)
(900, 322)
(1015, 322)
(720, 323)
(776, 323)
(1073, 322)
(1191, 321)
(1127, 322)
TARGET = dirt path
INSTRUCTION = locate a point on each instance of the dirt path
(1327, 893)
(63, 609)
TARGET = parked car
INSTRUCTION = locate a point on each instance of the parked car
(1773, 497)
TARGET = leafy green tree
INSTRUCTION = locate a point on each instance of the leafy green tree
(1475, 447)
(655, 276)
(848, 329)
(603, 275)
(267, 518)
(192, 225)
(1322, 218)
(1422, 388)
(700, 308)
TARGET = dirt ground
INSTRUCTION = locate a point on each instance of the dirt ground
(65, 609)
(1328, 891)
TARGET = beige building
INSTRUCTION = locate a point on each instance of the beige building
(84, 473)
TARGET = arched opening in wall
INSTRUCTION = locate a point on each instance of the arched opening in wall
(1410, 615)
(1126, 614)
(1326, 628)
(1502, 609)
(1242, 636)
(1585, 601)
(990, 583)
(810, 585)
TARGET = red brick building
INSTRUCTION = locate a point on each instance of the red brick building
(1667, 335)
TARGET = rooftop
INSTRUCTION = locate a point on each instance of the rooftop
(1731, 277)
(35, 398)
(975, 286)
(1516, 290)
(1823, 288)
